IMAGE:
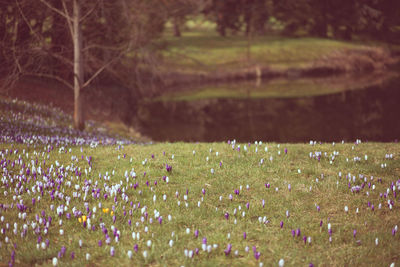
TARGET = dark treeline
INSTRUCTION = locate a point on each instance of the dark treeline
(343, 19)
(34, 38)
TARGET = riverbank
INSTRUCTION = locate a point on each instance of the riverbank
(204, 57)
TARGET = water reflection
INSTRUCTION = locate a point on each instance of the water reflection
(370, 114)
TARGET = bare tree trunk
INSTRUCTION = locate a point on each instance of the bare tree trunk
(78, 67)
(177, 30)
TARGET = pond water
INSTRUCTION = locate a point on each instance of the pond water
(370, 113)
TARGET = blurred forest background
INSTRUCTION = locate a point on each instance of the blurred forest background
(81, 44)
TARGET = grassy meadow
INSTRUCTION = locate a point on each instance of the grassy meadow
(69, 199)
(202, 49)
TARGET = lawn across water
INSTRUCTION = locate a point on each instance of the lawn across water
(71, 199)
(205, 51)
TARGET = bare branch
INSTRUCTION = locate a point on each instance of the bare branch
(105, 47)
(26, 20)
(69, 19)
(89, 12)
(45, 75)
(98, 72)
(56, 10)
(61, 58)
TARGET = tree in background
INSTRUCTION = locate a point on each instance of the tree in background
(255, 15)
(73, 41)
(296, 15)
(236, 15)
(226, 15)
(178, 10)
(380, 19)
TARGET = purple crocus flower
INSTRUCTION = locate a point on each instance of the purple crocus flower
(305, 239)
(63, 250)
(247, 205)
(257, 255)
(244, 235)
(298, 232)
(354, 233)
(100, 243)
(196, 233)
(263, 203)
(168, 168)
(72, 255)
(228, 249)
(226, 215)
(281, 224)
(136, 247)
(203, 191)
(285, 150)
(293, 233)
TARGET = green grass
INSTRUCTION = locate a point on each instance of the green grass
(313, 183)
(192, 172)
(206, 51)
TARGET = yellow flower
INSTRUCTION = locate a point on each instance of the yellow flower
(105, 210)
(84, 218)
(112, 212)
(80, 219)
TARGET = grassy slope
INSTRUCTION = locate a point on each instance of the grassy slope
(239, 169)
(317, 183)
(206, 51)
